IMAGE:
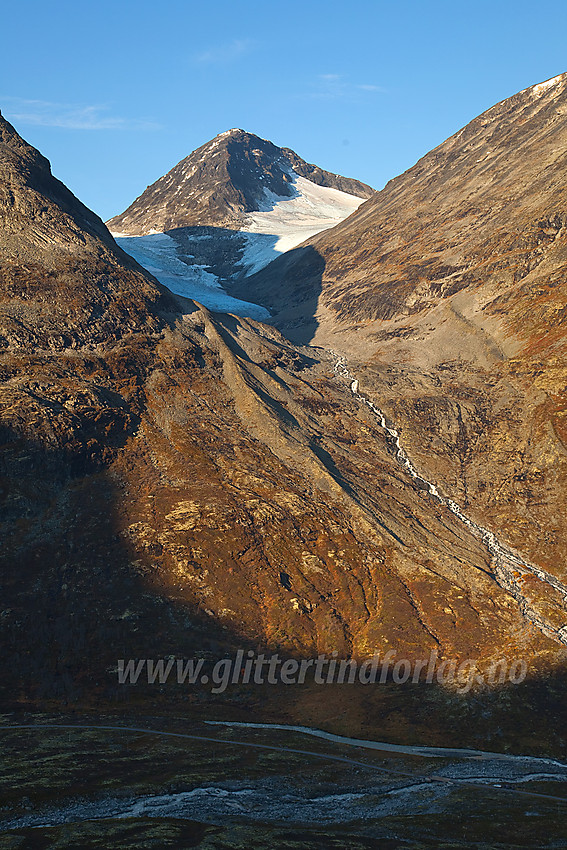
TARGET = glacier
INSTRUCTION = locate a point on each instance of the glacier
(283, 223)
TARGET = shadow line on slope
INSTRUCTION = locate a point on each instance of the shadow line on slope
(294, 302)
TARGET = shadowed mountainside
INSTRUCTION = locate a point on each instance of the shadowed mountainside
(172, 478)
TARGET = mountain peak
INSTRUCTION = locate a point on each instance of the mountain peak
(221, 182)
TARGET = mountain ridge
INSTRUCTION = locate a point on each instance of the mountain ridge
(473, 166)
(447, 292)
(51, 243)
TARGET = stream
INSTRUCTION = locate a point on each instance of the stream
(367, 790)
(505, 561)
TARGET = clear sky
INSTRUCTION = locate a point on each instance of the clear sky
(116, 93)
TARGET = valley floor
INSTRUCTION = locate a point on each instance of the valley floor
(237, 785)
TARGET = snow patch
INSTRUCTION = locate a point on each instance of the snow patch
(286, 222)
(157, 253)
(540, 88)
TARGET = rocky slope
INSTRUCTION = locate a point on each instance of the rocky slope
(227, 210)
(446, 291)
(220, 182)
(175, 483)
(478, 214)
(63, 281)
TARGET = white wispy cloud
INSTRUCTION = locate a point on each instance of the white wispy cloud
(336, 86)
(223, 54)
(70, 116)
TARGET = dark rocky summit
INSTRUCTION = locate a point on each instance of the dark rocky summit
(220, 182)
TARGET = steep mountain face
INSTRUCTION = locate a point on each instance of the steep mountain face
(226, 211)
(63, 280)
(447, 290)
(220, 182)
(195, 483)
(485, 207)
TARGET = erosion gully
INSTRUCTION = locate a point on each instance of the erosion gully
(504, 560)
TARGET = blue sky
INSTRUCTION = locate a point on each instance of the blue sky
(116, 93)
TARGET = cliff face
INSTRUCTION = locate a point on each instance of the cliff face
(174, 481)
